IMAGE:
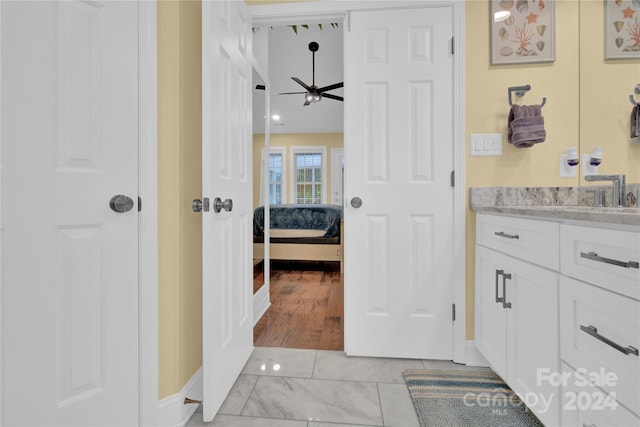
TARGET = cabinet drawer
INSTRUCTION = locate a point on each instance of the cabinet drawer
(588, 405)
(600, 332)
(532, 241)
(607, 258)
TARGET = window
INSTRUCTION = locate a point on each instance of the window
(276, 176)
(309, 172)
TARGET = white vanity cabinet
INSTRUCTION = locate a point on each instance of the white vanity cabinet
(600, 324)
(558, 314)
(516, 323)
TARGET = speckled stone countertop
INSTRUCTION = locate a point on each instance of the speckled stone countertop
(573, 203)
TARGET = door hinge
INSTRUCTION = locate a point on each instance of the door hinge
(348, 21)
(453, 312)
(452, 178)
(139, 204)
(453, 45)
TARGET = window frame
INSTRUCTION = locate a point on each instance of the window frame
(294, 180)
(282, 151)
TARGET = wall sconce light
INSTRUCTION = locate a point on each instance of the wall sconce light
(591, 161)
(572, 156)
(596, 156)
(568, 162)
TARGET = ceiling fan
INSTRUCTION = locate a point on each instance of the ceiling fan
(314, 93)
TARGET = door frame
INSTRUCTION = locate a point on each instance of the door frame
(148, 217)
(291, 13)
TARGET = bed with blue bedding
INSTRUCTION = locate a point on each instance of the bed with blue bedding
(300, 232)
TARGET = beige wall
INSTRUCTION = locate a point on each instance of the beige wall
(179, 181)
(576, 100)
(327, 140)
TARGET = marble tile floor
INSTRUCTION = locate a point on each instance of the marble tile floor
(281, 387)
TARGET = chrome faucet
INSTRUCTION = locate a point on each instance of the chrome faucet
(619, 187)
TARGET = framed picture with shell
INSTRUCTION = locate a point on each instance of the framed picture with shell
(621, 29)
(522, 31)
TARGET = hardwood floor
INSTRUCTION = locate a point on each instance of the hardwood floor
(307, 307)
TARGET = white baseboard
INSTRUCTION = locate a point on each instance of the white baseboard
(260, 303)
(172, 412)
(474, 357)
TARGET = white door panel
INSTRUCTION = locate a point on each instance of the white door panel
(69, 263)
(398, 244)
(227, 290)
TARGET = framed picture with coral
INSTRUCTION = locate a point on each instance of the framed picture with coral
(621, 29)
(522, 31)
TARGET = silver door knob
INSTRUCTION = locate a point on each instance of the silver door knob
(218, 205)
(198, 205)
(356, 202)
(121, 203)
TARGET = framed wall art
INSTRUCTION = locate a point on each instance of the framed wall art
(522, 31)
(621, 29)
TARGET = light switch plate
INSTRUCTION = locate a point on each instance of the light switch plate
(486, 144)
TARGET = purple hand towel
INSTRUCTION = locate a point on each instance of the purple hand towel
(635, 124)
(526, 125)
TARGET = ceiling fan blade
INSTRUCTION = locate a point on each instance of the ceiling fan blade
(328, 95)
(301, 83)
(291, 93)
(331, 87)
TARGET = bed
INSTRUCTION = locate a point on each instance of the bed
(300, 233)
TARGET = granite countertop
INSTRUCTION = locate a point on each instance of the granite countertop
(570, 203)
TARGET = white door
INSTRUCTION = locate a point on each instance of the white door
(227, 288)
(399, 157)
(69, 142)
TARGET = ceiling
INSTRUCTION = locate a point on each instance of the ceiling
(289, 56)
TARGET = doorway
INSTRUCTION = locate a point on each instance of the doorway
(306, 142)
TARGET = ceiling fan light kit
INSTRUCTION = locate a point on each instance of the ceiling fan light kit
(314, 93)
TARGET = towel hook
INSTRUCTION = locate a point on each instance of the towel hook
(636, 90)
(520, 91)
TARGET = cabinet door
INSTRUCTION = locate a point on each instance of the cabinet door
(532, 336)
(490, 325)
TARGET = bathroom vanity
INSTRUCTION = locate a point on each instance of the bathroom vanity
(557, 309)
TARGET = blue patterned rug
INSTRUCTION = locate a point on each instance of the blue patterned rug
(465, 398)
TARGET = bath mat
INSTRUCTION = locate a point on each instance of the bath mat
(465, 398)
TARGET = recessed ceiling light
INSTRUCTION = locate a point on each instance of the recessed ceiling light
(275, 117)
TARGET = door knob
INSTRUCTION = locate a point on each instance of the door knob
(356, 202)
(197, 205)
(218, 205)
(121, 203)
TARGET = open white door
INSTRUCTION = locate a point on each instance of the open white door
(227, 288)
(69, 143)
(399, 157)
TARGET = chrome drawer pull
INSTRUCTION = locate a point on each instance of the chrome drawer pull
(508, 236)
(593, 331)
(595, 257)
(498, 299)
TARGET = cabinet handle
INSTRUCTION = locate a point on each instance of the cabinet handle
(595, 257)
(593, 331)
(505, 304)
(498, 299)
(508, 236)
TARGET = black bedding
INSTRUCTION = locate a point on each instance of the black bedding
(300, 217)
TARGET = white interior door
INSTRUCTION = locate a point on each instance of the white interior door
(69, 142)
(399, 156)
(227, 288)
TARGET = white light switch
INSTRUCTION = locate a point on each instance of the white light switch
(486, 144)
